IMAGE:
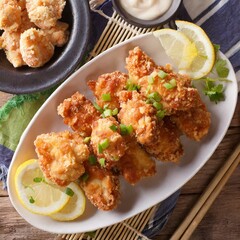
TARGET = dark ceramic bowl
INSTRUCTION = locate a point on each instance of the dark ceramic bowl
(63, 63)
(168, 15)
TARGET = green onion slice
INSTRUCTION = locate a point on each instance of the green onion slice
(106, 97)
(107, 113)
(38, 179)
(31, 200)
(92, 159)
(162, 74)
(160, 114)
(98, 107)
(102, 162)
(86, 140)
(113, 128)
(69, 191)
(104, 144)
(84, 178)
(126, 130)
(157, 105)
(155, 95)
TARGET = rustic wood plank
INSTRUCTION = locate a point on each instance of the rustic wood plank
(222, 220)
(12, 225)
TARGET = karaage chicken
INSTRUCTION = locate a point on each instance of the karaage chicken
(194, 123)
(167, 146)
(107, 142)
(106, 88)
(35, 47)
(101, 187)
(136, 164)
(10, 15)
(140, 115)
(61, 156)
(78, 113)
(45, 13)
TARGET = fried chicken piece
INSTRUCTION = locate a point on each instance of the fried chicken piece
(111, 84)
(139, 64)
(175, 91)
(26, 23)
(194, 123)
(101, 187)
(167, 146)
(106, 142)
(10, 44)
(136, 164)
(140, 115)
(58, 34)
(10, 15)
(35, 47)
(78, 113)
(45, 13)
(61, 156)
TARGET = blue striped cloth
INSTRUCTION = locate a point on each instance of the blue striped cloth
(221, 20)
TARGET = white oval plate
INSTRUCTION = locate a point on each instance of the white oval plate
(148, 192)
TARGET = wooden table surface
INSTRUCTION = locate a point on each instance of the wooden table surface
(222, 221)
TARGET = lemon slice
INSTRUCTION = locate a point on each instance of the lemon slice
(37, 195)
(204, 61)
(177, 46)
(74, 208)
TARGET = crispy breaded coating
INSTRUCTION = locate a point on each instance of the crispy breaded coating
(10, 15)
(107, 143)
(35, 47)
(194, 123)
(101, 187)
(58, 34)
(167, 146)
(10, 42)
(175, 91)
(140, 115)
(139, 64)
(45, 13)
(61, 156)
(109, 83)
(78, 113)
(136, 164)
(26, 23)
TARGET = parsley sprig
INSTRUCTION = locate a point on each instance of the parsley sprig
(213, 87)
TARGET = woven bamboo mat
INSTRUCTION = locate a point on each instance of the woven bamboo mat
(116, 31)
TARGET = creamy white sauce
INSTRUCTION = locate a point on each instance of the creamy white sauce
(146, 9)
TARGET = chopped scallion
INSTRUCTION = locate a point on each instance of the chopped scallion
(155, 96)
(173, 82)
(107, 113)
(132, 86)
(104, 144)
(100, 150)
(113, 128)
(106, 97)
(38, 179)
(160, 114)
(114, 111)
(170, 85)
(102, 162)
(92, 159)
(84, 178)
(126, 130)
(157, 105)
(162, 74)
(98, 107)
(31, 200)
(69, 192)
(86, 140)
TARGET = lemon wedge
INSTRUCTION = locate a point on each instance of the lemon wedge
(203, 63)
(177, 46)
(37, 195)
(75, 207)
